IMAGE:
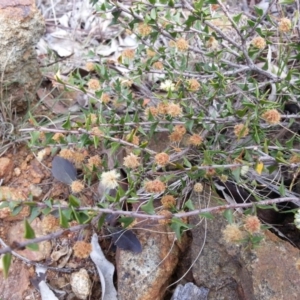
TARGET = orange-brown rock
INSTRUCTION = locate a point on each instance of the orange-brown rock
(6, 169)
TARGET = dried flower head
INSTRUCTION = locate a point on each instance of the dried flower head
(78, 159)
(96, 132)
(232, 233)
(158, 65)
(162, 158)
(94, 84)
(144, 29)
(82, 249)
(168, 216)
(105, 98)
(259, 42)
(151, 110)
(50, 224)
(284, 25)
(66, 153)
(210, 172)
(212, 43)
(252, 224)
(195, 140)
(162, 108)
(182, 44)
(198, 187)
(128, 53)
(294, 159)
(168, 201)
(131, 161)
(193, 85)
(150, 53)
(241, 130)
(93, 118)
(94, 162)
(167, 85)
(174, 110)
(110, 179)
(77, 186)
(154, 186)
(272, 116)
(133, 139)
(180, 129)
(90, 66)
(175, 136)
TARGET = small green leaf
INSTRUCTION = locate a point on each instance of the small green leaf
(259, 11)
(35, 211)
(228, 214)
(63, 221)
(178, 227)
(126, 221)
(67, 124)
(33, 247)
(189, 204)
(101, 221)
(237, 18)
(148, 207)
(206, 215)
(6, 260)
(74, 201)
(29, 232)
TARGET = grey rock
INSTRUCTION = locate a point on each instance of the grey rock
(22, 25)
(190, 291)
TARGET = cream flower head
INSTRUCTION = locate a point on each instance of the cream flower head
(110, 179)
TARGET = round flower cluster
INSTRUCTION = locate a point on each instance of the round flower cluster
(50, 224)
(195, 140)
(168, 201)
(110, 179)
(241, 130)
(162, 159)
(158, 65)
(182, 44)
(82, 249)
(272, 116)
(232, 233)
(77, 186)
(154, 186)
(178, 133)
(94, 84)
(193, 85)
(128, 53)
(284, 25)
(131, 161)
(252, 224)
(198, 187)
(144, 29)
(259, 42)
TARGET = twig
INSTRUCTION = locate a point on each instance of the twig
(146, 216)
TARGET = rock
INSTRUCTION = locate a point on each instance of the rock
(189, 291)
(236, 272)
(6, 169)
(16, 234)
(81, 284)
(17, 283)
(22, 25)
(147, 274)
